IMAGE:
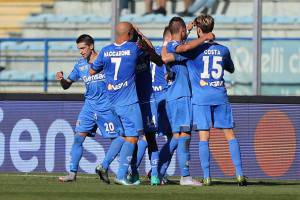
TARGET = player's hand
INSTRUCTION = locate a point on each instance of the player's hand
(190, 26)
(59, 75)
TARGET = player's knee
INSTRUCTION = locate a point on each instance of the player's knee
(229, 134)
(79, 138)
(204, 136)
(132, 140)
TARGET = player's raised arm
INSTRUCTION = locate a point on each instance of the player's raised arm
(194, 43)
(65, 83)
(147, 45)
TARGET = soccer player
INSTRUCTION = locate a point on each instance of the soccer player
(179, 94)
(211, 107)
(119, 61)
(151, 89)
(96, 111)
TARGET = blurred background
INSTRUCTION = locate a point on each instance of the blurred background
(37, 38)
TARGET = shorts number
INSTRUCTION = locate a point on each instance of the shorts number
(117, 62)
(216, 71)
(109, 127)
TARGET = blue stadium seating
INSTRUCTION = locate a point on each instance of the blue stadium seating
(224, 19)
(244, 20)
(285, 20)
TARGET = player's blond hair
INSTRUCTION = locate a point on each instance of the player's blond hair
(205, 22)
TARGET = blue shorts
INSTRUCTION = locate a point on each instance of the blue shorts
(217, 116)
(149, 116)
(179, 114)
(107, 122)
(131, 119)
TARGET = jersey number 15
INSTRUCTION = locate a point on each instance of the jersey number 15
(216, 68)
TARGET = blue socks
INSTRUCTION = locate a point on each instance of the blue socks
(138, 156)
(204, 158)
(125, 159)
(183, 155)
(154, 163)
(165, 155)
(76, 152)
(234, 149)
(113, 151)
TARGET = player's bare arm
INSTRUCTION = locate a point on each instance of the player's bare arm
(92, 72)
(65, 83)
(194, 43)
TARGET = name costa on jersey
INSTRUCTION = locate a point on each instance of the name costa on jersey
(93, 78)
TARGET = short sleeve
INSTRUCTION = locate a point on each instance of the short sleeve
(74, 75)
(98, 63)
(228, 64)
(171, 46)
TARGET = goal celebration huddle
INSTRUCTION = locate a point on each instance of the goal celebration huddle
(135, 91)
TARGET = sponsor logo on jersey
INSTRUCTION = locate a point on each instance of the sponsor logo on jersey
(211, 84)
(96, 77)
(117, 53)
(157, 88)
(117, 86)
(203, 83)
(83, 68)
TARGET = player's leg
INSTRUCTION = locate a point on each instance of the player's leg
(166, 154)
(137, 158)
(224, 120)
(85, 124)
(202, 122)
(132, 123)
(181, 123)
(164, 128)
(154, 157)
(110, 127)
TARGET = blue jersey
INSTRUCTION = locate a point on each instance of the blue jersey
(95, 94)
(206, 74)
(180, 85)
(144, 79)
(119, 63)
(159, 83)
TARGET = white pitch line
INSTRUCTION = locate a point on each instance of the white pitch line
(45, 176)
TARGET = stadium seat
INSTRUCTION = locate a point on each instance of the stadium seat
(144, 19)
(56, 18)
(285, 20)
(15, 75)
(268, 19)
(37, 18)
(78, 19)
(63, 47)
(223, 19)
(129, 18)
(98, 19)
(244, 20)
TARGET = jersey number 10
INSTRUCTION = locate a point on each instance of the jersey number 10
(216, 68)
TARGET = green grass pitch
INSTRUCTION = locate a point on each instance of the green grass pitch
(46, 186)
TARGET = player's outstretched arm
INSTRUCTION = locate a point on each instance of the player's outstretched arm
(194, 43)
(65, 83)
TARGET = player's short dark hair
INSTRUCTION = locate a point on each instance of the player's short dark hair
(85, 38)
(205, 22)
(166, 31)
(175, 24)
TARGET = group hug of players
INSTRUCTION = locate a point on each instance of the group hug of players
(135, 91)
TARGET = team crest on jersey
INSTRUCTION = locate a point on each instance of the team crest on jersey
(82, 68)
(203, 83)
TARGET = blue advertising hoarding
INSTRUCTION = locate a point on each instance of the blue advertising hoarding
(36, 136)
